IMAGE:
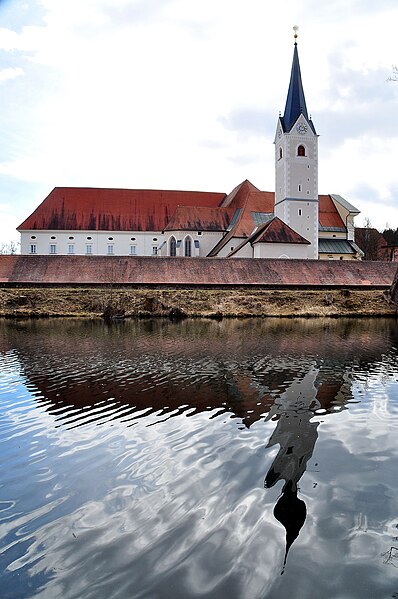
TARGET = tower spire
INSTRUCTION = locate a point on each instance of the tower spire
(295, 102)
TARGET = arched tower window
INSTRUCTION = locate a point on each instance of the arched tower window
(301, 151)
(173, 246)
(280, 153)
(188, 246)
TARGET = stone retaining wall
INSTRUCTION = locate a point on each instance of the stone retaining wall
(121, 270)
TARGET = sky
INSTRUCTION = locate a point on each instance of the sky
(185, 94)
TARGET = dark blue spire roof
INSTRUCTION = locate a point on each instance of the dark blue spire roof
(295, 102)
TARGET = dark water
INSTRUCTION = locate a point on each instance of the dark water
(199, 459)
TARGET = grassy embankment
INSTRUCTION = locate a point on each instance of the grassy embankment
(144, 302)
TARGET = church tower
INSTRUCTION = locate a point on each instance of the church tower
(296, 163)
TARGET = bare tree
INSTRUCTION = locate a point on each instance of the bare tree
(370, 241)
(394, 76)
(10, 248)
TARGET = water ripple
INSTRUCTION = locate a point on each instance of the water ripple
(153, 459)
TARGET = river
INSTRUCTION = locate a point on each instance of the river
(239, 459)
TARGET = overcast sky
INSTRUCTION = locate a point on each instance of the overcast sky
(185, 94)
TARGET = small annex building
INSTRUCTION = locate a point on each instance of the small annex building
(292, 222)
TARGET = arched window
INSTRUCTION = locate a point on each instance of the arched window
(301, 151)
(280, 153)
(188, 247)
(173, 246)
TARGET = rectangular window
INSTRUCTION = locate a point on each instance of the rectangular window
(71, 248)
(299, 212)
(32, 248)
(89, 249)
(299, 187)
(110, 249)
(133, 250)
(154, 250)
(53, 248)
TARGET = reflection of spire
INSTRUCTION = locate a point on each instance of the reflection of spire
(296, 436)
(291, 512)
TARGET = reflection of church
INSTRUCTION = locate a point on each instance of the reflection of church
(136, 369)
(296, 436)
(292, 222)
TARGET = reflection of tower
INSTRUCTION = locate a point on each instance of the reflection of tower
(296, 436)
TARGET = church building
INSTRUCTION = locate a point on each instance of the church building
(292, 222)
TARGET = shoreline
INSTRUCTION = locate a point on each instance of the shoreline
(164, 302)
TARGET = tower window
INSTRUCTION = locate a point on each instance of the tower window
(301, 151)
(300, 212)
(299, 187)
(280, 153)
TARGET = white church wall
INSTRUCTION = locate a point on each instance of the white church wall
(96, 243)
(280, 250)
(102, 243)
(332, 234)
(245, 252)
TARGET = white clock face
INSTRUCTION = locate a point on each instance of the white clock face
(302, 128)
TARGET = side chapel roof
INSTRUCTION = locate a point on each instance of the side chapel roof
(273, 231)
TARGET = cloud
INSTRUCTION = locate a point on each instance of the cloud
(164, 94)
(10, 73)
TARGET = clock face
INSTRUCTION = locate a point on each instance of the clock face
(302, 128)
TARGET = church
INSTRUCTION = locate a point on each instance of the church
(292, 222)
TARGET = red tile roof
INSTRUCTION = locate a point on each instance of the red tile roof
(195, 218)
(244, 187)
(77, 208)
(274, 231)
(328, 215)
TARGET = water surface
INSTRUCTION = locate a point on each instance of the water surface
(241, 459)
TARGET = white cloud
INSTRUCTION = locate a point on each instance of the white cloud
(167, 93)
(10, 73)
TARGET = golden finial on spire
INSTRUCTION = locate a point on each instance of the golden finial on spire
(295, 29)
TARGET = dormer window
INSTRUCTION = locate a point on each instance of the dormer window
(301, 151)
